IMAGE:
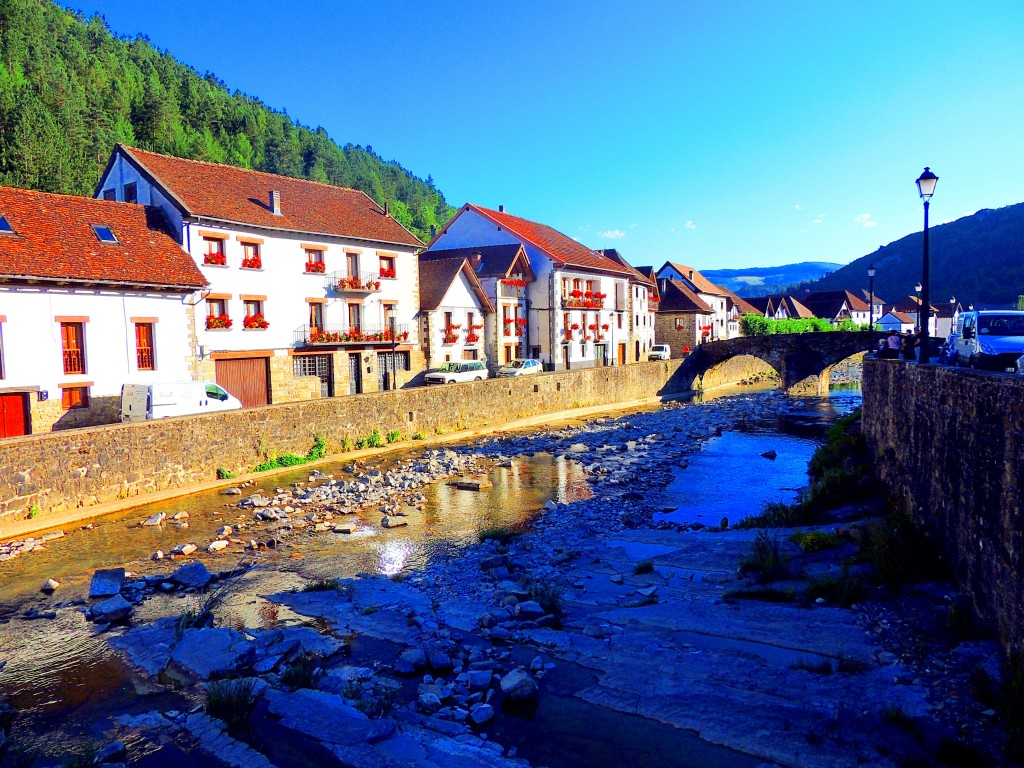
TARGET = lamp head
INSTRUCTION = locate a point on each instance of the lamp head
(926, 184)
(917, 287)
(872, 271)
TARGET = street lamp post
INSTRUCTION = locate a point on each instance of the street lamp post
(917, 290)
(871, 305)
(926, 188)
(394, 355)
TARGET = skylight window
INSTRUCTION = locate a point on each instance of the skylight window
(5, 226)
(104, 234)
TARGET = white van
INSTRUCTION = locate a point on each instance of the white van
(452, 372)
(990, 339)
(158, 401)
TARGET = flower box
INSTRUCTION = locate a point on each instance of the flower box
(218, 321)
(389, 274)
(472, 338)
(514, 282)
(255, 321)
(254, 263)
(315, 267)
(450, 338)
(217, 259)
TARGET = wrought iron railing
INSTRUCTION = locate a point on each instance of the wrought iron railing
(305, 335)
(358, 282)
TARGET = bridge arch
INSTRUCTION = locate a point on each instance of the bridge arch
(803, 361)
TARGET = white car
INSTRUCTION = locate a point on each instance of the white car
(464, 370)
(659, 352)
(520, 368)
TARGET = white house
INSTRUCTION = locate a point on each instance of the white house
(643, 304)
(313, 288)
(896, 321)
(93, 294)
(710, 294)
(454, 312)
(504, 273)
(838, 306)
(577, 305)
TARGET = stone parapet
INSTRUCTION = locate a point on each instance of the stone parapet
(950, 446)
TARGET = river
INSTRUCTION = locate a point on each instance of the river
(61, 675)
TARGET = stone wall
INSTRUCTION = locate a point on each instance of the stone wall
(66, 470)
(950, 446)
(667, 332)
(736, 369)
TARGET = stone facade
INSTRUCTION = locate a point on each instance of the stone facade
(678, 330)
(949, 446)
(63, 471)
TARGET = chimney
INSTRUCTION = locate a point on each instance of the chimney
(275, 202)
(501, 209)
(691, 275)
(387, 212)
(474, 260)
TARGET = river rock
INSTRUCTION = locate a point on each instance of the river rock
(518, 686)
(224, 531)
(231, 492)
(50, 586)
(429, 703)
(194, 575)
(217, 546)
(770, 455)
(106, 582)
(393, 522)
(155, 519)
(481, 713)
(180, 516)
(530, 609)
(184, 549)
(577, 448)
(114, 609)
(411, 661)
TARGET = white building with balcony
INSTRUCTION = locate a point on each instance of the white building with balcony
(455, 312)
(313, 289)
(577, 303)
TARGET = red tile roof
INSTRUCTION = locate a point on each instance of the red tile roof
(243, 196)
(488, 260)
(54, 239)
(437, 276)
(701, 283)
(829, 304)
(560, 248)
(677, 297)
(619, 259)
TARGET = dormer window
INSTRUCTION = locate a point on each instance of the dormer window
(5, 226)
(104, 234)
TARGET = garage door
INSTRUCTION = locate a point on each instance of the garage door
(246, 378)
(13, 422)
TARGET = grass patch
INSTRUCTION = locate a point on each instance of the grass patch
(33, 511)
(502, 534)
(322, 585)
(549, 595)
(318, 451)
(223, 473)
(196, 613)
(899, 551)
(232, 701)
(644, 566)
(346, 444)
(418, 436)
(374, 439)
(815, 541)
(843, 590)
(777, 514)
(394, 435)
(301, 673)
(765, 560)
(767, 594)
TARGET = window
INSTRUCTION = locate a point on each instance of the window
(354, 316)
(72, 337)
(565, 287)
(316, 315)
(470, 354)
(214, 253)
(131, 192)
(217, 314)
(387, 267)
(254, 316)
(352, 263)
(251, 256)
(110, 194)
(679, 323)
(144, 350)
(104, 234)
(5, 226)
(618, 320)
(314, 260)
(74, 397)
(470, 321)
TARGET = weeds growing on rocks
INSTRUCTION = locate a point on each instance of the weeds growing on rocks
(322, 585)
(765, 560)
(302, 672)
(318, 451)
(232, 701)
(815, 541)
(501, 534)
(843, 590)
(394, 435)
(644, 566)
(548, 595)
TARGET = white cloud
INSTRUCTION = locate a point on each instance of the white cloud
(690, 225)
(798, 207)
(611, 234)
(865, 219)
(633, 226)
(819, 219)
(870, 223)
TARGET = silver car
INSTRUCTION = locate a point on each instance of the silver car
(465, 370)
(519, 367)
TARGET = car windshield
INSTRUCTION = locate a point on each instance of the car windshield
(516, 364)
(1001, 325)
(449, 367)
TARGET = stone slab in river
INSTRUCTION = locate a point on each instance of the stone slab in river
(106, 582)
(192, 575)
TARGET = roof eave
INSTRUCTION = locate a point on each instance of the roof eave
(200, 218)
(184, 288)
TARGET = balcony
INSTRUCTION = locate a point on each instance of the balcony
(584, 300)
(74, 361)
(511, 289)
(338, 334)
(360, 282)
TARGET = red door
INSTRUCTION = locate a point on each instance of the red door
(13, 422)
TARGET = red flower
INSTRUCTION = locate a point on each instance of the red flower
(218, 321)
(315, 266)
(255, 321)
(215, 258)
(253, 263)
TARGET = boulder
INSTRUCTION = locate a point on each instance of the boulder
(106, 582)
(518, 686)
(481, 713)
(577, 448)
(155, 519)
(50, 586)
(217, 546)
(184, 549)
(114, 609)
(769, 455)
(223, 531)
(411, 661)
(194, 574)
(530, 609)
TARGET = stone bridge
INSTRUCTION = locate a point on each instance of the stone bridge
(802, 360)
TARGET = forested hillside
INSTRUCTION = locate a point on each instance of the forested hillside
(763, 281)
(70, 89)
(977, 259)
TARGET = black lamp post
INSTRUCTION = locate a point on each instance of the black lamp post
(871, 304)
(926, 187)
(394, 355)
(917, 290)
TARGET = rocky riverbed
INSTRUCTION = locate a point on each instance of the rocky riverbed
(603, 633)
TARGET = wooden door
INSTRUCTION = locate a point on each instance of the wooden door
(622, 354)
(246, 378)
(13, 415)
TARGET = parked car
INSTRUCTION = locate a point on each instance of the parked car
(140, 402)
(465, 370)
(520, 368)
(1018, 367)
(947, 352)
(660, 352)
(990, 339)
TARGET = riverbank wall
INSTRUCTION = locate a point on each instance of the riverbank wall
(49, 478)
(949, 445)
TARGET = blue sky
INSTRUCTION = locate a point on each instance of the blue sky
(719, 134)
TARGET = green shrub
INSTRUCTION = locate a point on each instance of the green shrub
(360, 443)
(223, 473)
(301, 672)
(375, 440)
(322, 585)
(765, 560)
(33, 511)
(815, 541)
(899, 551)
(419, 436)
(231, 701)
(843, 590)
(394, 435)
(346, 444)
(549, 595)
(317, 451)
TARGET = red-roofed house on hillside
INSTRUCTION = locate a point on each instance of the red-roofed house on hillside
(837, 306)
(93, 294)
(576, 308)
(710, 294)
(504, 273)
(310, 284)
(683, 317)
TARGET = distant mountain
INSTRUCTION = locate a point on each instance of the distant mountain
(761, 281)
(70, 89)
(977, 259)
